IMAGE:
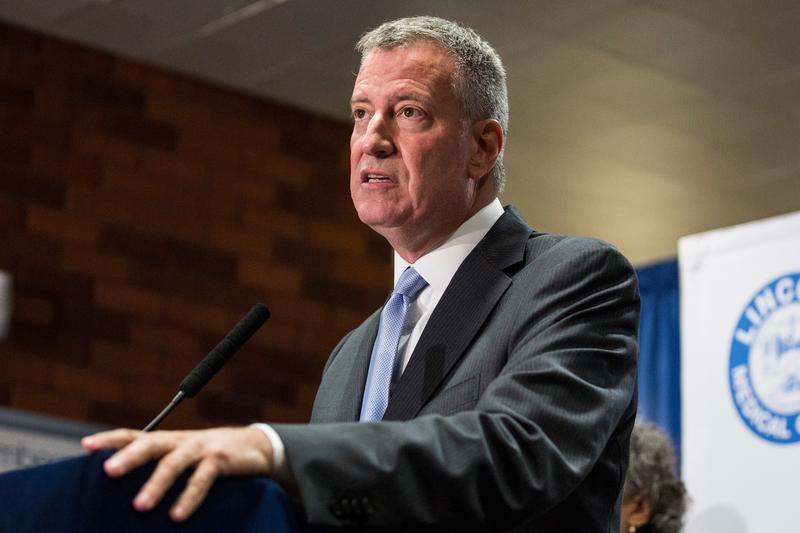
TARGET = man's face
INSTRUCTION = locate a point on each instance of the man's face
(410, 149)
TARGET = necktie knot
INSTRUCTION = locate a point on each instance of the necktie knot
(410, 284)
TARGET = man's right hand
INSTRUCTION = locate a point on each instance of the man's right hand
(211, 452)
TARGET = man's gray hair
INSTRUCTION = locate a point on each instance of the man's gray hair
(480, 78)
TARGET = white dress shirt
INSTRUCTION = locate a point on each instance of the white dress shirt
(437, 267)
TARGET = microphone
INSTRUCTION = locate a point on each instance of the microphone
(216, 358)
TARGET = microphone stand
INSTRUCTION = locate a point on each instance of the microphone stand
(167, 410)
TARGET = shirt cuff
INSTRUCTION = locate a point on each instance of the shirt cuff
(280, 471)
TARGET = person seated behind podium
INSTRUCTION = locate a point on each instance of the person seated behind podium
(654, 499)
(510, 354)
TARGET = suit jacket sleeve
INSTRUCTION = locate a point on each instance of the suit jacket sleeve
(554, 365)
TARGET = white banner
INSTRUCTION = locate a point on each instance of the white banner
(740, 376)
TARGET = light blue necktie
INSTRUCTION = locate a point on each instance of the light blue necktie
(384, 352)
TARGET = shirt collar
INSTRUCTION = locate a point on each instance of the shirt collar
(439, 265)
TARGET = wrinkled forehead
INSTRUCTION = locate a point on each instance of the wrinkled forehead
(422, 72)
(426, 53)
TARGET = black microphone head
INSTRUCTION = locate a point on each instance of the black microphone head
(223, 351)
(248, 325)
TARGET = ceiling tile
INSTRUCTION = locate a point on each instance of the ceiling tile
(659, 150)
(567, 119)
(557, 15)
(119, 30)
(497, 25)
(39, 14)
(641, 32)
(727, 16)
(184, 16)
(300, 86)
(777, 94)
(718, 121)
(557, 66)
(718, 65)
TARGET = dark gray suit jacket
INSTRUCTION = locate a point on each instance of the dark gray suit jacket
(514, 411)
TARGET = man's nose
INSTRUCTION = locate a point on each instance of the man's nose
(377, 140)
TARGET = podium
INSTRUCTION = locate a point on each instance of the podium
(76, 495)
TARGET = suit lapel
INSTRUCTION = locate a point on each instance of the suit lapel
(342, 387)
(360, 367)
(466, 304)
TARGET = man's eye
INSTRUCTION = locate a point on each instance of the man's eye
(358, 114)
(411, 112)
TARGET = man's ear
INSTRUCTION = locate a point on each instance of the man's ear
(487, 142)
(642, 510)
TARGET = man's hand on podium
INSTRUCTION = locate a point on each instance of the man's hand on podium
(211, 452)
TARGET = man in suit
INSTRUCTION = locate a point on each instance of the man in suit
(495, 390)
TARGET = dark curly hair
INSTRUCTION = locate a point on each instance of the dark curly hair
(652, 474)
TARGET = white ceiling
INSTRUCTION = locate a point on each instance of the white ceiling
(634, 121)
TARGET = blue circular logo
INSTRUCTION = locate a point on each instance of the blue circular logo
(764, 369)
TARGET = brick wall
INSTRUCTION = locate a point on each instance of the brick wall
(142, 213)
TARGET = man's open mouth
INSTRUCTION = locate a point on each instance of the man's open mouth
(375, 177)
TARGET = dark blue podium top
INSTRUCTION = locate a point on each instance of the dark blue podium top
(75, 495)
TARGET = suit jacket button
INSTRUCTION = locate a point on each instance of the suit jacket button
(344, 503)
(366, 505)
(355, 507)
(336, 509)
